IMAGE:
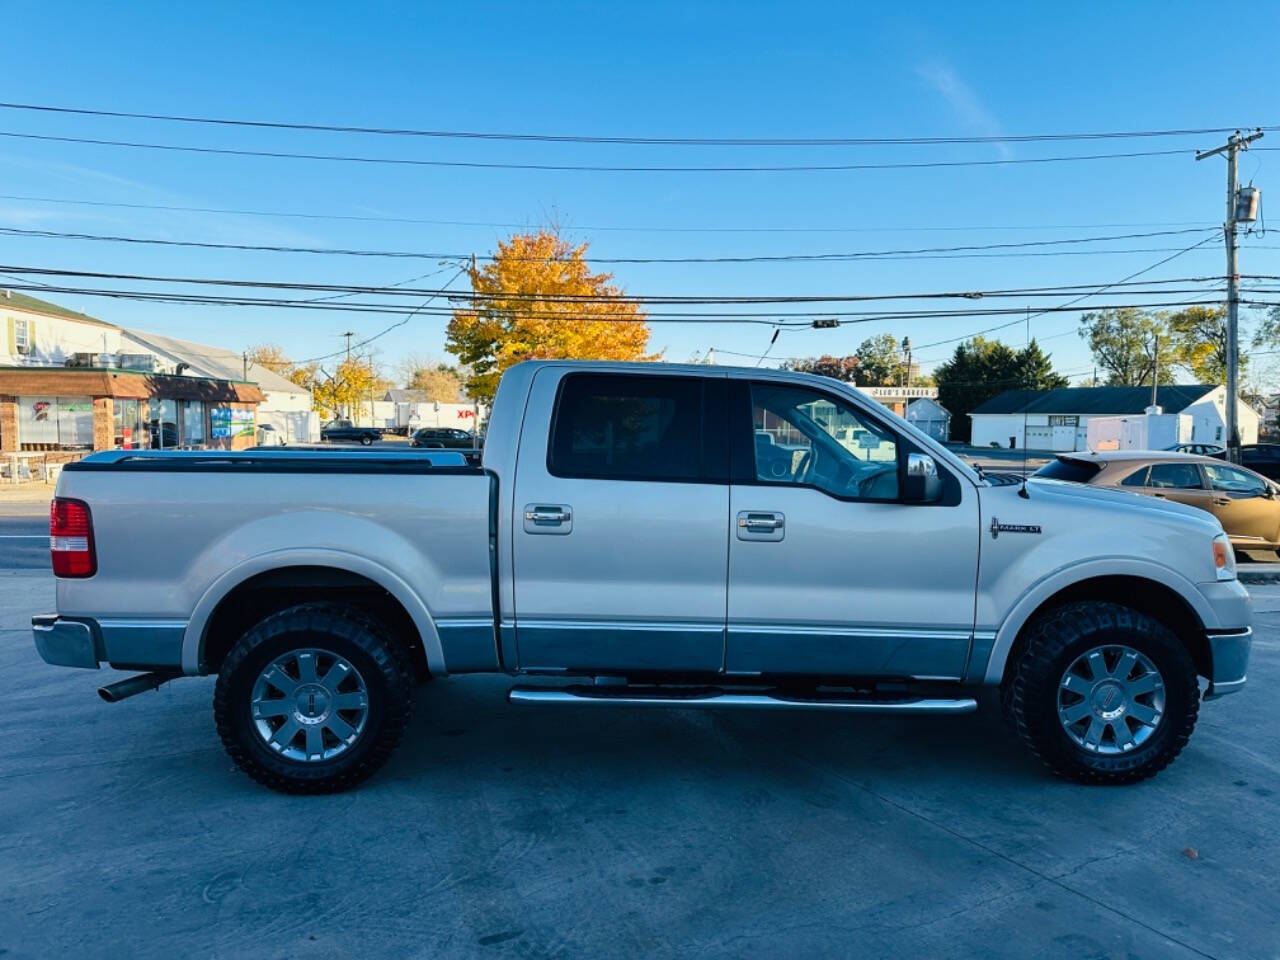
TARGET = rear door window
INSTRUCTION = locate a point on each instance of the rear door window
(1176, 476)
(632, 427)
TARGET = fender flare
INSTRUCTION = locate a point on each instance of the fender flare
(193, 638)
(1065, 577)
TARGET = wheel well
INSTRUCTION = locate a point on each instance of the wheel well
(264, 594)
(1146, 596)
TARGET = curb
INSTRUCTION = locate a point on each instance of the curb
(1258, 572)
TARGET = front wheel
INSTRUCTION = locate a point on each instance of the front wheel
(1102, 693)
(313, 699)
(366, 440)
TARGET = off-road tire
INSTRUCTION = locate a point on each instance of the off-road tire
(341, 629)
(1030, 692)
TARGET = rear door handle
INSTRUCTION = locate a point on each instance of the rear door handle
(1222, 501)
(548, 518)
(761, 525)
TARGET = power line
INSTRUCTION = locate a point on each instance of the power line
(916, 252)
(648, 141)
(590, 168)
(621, 298)
(593, 227)
(1121, 282)
(382, 333)
(769, 319)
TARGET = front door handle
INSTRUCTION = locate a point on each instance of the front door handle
(552, 518)
(547, 516)
(1222, 501)
(761, 525)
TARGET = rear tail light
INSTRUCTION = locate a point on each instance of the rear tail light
(71, 538)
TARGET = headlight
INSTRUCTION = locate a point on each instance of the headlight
(1224, 558)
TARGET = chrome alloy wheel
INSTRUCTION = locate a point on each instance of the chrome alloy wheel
(310, 705)
(1111, 699)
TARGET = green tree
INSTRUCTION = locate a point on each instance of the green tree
(838, 368)
(1199, 337)
(1123, 343)
(880, 361)
(980, 369)
(1035, 369)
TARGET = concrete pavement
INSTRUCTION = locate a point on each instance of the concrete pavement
(24, 542)
(500, 830)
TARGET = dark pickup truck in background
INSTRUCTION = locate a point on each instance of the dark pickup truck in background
(346, 431)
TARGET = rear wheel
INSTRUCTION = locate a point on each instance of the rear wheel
(366, 440)
(1103, 693)
(313, 699)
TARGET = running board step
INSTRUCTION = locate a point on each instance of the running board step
(622, 696)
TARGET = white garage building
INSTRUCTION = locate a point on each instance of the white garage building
(1058, 419)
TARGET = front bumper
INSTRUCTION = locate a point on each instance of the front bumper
(1231, 640)
(65, 643)
(1230, 661)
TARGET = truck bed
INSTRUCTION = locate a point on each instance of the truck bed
(174, 531)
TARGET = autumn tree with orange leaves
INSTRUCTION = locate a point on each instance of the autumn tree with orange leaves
(538, 299)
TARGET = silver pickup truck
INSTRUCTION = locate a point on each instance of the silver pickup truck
(645, 535)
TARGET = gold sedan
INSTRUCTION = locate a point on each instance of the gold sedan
(1247, 504)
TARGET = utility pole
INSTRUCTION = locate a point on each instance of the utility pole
(1155, 369)
(347, 366)
(245, 357)
(1235, 143)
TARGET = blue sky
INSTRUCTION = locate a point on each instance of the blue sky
(657, 69)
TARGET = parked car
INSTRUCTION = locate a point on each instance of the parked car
(443, 437)
(345, 430)
(1263, 458)
(1202, 449)
(1246, 503)
(623, 531)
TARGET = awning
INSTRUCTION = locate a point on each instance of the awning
(80, 382)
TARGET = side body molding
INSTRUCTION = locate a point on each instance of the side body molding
(193, 639)
(1065, 577)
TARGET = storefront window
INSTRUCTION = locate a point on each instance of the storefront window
(75, 422)
(129, 427)
(193, 423)
(163, 425)
(46, 423)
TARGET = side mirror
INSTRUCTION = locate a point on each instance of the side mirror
(924, 485)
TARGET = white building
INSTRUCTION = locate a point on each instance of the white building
(1058, 419)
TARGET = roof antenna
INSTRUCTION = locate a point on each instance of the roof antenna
(1022, 490)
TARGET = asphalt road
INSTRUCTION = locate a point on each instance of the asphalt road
(504, 831)
(24, 542)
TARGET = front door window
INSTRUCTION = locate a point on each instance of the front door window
(808, 438)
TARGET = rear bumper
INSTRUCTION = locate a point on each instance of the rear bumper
(127, 644)
(1230, 661)
(65, 643)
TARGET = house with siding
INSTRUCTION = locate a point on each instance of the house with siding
(69, 381)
